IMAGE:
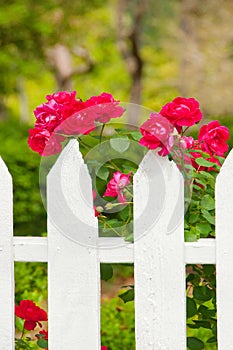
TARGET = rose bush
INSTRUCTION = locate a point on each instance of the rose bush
(64, 116)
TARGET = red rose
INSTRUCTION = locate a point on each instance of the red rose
(104, 348)
(63, 97)
(79, 123)
(182, 112)
(45, 143)
(156, 132)
(59, 107)
(48, 116)
(32, 314)
(213, 137)
(105, 107)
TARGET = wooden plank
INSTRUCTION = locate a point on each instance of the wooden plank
(224, 253)
(112, 250)
(159, 255)
(32, 249)
(73, 265)
(201, 252)
(6, 260)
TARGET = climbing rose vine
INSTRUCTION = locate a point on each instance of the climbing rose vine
(98, 124)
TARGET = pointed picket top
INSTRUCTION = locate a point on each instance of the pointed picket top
(159, 254)
(72, 200)
(73, 263)
(224, 252)
(6, 260)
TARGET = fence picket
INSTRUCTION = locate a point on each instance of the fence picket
(224, 253)
(159, 255)
(6, 260)
(73, 267)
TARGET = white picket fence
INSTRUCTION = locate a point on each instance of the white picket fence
(159, 256)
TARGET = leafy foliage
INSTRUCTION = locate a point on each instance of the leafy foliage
(117, 324)
(201, 305)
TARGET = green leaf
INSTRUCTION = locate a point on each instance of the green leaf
(120, 144)
(194, 217)
(206, 174)
(208, 216)
(42, 343)
(209, 269)
(203, 228)
(204, 162)
(136, 135)
(194, 343)
(190, 236)
(103, 173)
(208, 202)
(206, 312)
(202, 293)
(202, 323)
(212, 340)
(127, 296)
(191, 307)
(106, 271)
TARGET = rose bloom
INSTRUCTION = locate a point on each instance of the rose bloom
(45, 143)
(32, 314)
(182, 112)
(213, 138)
(116, 185)
(104, 107)
(81, 123)
(59, 107)
(156, 132)
(187, 142)
(104, 348)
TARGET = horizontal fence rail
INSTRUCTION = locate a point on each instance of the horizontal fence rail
(35, 249)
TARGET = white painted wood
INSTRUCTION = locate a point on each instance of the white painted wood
(6, 261)
(224, 253)
(33, 249)
(73, 265)
(159, 255)
(112, 250)
(201, 252)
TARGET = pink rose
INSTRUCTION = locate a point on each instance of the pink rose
(45, 143)
(105, 107)
(116, 185)
(213, 137)
(187, 142)
(156, 132)
(182, 112)
(104, 348)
